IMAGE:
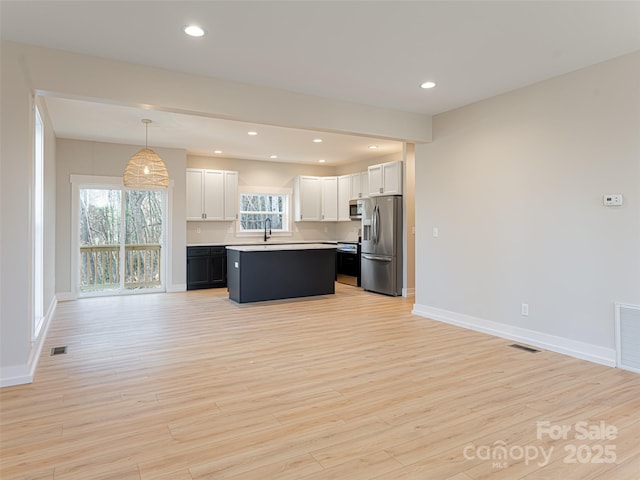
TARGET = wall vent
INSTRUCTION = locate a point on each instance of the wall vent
(628, 337)
(525, 348)
(58, 351)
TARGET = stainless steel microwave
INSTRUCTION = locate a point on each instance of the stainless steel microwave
(355, 209)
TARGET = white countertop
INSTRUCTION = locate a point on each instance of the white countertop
(258, 241)
(282, 246)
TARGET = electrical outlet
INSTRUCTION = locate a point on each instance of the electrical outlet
(612, 200)
(525, 310)
(436, 232)
(198, 230)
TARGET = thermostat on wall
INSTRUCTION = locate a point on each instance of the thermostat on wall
(612, 200)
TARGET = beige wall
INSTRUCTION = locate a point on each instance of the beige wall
(515, 185)
(112, 81)
(19, 345)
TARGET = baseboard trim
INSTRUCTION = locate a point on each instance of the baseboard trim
(565, 346)
(15, 375)
(178, 287)
(66, 296)
(22, 374)
(408, 292)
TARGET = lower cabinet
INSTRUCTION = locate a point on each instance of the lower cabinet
(206, 267)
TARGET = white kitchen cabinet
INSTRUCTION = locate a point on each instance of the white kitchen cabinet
(329, 199)
(344, 195)
(315, 199)
(211, 195)
(307, 197)
(195, 194)
(385, 179)
(230, 195)
(359, 185)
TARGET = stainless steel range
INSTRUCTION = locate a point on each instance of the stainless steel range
(348, 263)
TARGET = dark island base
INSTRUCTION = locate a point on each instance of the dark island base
(272, 275)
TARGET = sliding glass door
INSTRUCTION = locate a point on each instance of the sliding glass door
(120, 240)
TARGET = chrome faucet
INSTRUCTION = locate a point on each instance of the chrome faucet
(265, 229)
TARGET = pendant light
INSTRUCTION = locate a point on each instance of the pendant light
(146, 169)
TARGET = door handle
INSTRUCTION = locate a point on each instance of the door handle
(376, 258)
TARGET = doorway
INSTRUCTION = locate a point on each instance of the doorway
(120, 240)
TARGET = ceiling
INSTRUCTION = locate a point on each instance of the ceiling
(370, 52)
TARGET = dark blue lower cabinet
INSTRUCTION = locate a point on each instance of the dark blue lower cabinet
(254, 276)
(206, 267)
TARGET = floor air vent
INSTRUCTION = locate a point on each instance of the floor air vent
(58, 351)
(526, 349)
(628, 337)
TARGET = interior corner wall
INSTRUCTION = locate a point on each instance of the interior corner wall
(409, 190)
(515, 186)
(77, 157)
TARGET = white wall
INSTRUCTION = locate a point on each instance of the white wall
(515, 184)
(75, 157)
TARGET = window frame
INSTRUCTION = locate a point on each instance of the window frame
(38, 223)
(286, 221)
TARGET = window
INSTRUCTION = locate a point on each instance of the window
(120, 237)
(258, 205)
(38, 225)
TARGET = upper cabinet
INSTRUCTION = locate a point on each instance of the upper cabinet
(315, 199)
(329, 199)
(359, 185)
(212, 195)
(385, 179)
(231, 195)
(307, 198)
(344, 195)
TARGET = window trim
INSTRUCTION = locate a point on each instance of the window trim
(79, 182)
(288, 192)
(38, 224)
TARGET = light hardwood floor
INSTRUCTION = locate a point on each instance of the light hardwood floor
(351, 386)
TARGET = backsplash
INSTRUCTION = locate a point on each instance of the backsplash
(224, 233)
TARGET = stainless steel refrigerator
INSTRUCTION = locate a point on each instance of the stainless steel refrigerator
(381, 258)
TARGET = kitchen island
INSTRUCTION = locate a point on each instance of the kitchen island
(269, 272)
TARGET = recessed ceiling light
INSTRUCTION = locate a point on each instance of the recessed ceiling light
(317, 140)
(322, 160)
(193, 31)
(428, 85)
(217, 152)
(252, 133)
(373, 147)
(273, 156)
